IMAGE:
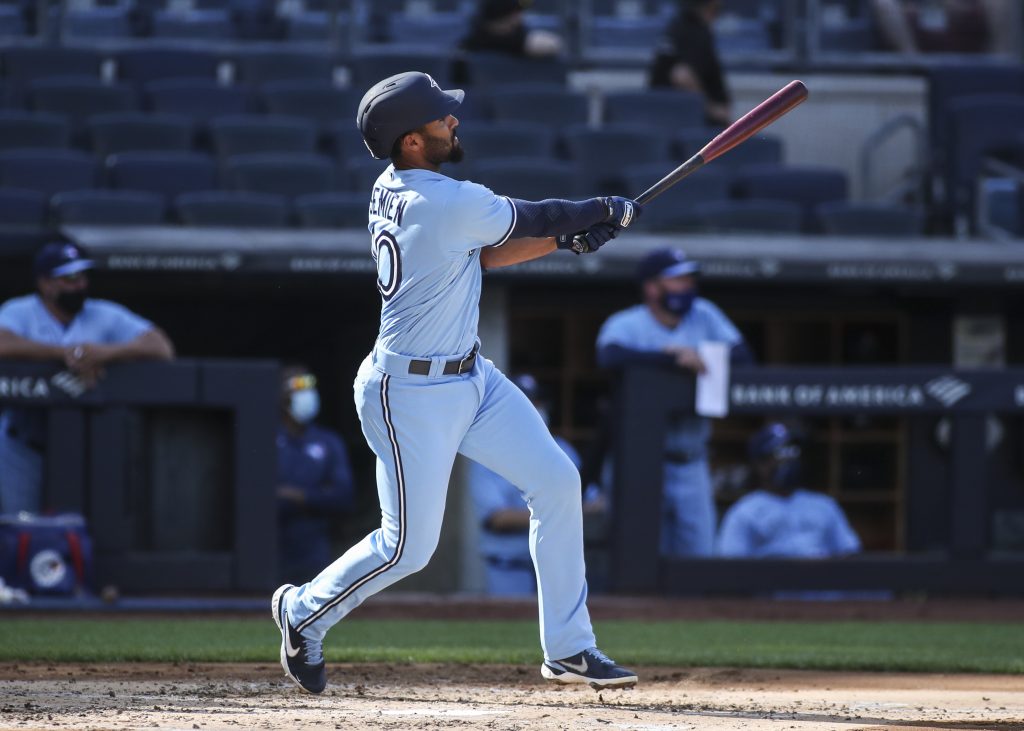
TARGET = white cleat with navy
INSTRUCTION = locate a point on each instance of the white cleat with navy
(591, 667)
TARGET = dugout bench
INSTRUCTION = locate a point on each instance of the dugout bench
(647, 397)
(172, 464)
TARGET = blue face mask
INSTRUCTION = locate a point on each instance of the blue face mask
(678, 303)
(786, 475)
(304, 405)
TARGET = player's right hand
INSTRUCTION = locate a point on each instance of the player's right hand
(621, 211)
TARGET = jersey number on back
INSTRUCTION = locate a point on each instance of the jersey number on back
(389, 264)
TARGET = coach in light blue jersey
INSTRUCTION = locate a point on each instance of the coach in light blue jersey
(425, 392)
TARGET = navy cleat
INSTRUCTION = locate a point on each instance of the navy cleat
(302, 659)
(592, 667)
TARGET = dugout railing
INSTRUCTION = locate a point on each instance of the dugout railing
(173, 465)
(648, 396)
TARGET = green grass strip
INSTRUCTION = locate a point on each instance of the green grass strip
(895, 646)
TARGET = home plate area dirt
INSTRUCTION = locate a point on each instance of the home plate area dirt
(499, 698)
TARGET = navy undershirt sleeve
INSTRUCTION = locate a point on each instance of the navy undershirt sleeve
(554, 216)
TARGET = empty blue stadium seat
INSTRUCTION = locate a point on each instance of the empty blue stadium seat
(347, 142)
(208, 25)
(319, 101)
(197, 99)
(142, 65)
(232, 208)
(528, 178)
(679, 207)
(315, 25)
(629, 8)
(755, 216)
(47, 171)
(167, 173)
(603, 154)
(332, 210)
(617, 32)
(108, 207)
(79, 99)
(363, 173)
(246, 134)
(742, 36)
(548, 104)
(805, 186)
(258, 66)
(443, 30)
(33, 129)
(483, 140)
(95, 23)
(490, 69)
(25, 64)
(864, 219)
(12, 24)
(135, 131)
(282, 174)
(20, 207)
(670, 110)
(372, 64)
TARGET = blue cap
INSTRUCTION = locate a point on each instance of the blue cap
(775, 440)
(400, 104)
(665, 263)
(60, 259)
(528, 385)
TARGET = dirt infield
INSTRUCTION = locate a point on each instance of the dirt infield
(496, 698)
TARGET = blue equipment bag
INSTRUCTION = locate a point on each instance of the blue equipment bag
(46, 554)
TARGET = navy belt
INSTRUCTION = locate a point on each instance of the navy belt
(451, 368)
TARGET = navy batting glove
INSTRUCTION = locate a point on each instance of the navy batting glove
(621, 211)
(589, 241)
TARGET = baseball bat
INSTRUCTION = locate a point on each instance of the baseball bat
(746, 126)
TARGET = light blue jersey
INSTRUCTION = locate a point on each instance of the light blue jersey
(427, 231)
(804, 524)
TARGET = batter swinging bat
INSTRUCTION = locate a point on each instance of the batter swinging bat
(746, 126)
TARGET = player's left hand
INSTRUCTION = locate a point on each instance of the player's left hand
(589, 241)
(622, 211)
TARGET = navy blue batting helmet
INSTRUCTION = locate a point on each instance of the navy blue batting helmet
(398, 105)
(775, 440)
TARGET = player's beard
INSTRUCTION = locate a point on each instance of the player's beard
(438, 152)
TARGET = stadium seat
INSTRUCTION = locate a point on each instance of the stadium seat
(372, 64)
(23, 65)
(617, 32)
(487, 70)
(19, 207)
(282, 174)
(805, 186)
(319, 101)
(33, 129)
(135, 131)
(47, 171)
(167, 173)
(251, 133)
(80, 99)
(483, 140)
(759, 149)
(754, 216)
(862, 219)
(628, 8)
(315, 25)
(108, 207)
(332, 210)
(602, 155)
(256, 67)
(143, 65)
(363, 173)
(668, 110)
(12, 23)
(739, 36)
(6, 95)
(528, 178)
(208, 25)
(197, 99)
(679, 207)
(346, 141)
(90, 24)
(232, 208)
(548, 104)
(443, 30)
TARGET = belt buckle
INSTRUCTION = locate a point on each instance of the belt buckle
(469, 357)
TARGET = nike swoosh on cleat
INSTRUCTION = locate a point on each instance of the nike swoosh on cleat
(579, 668)
(292, 651)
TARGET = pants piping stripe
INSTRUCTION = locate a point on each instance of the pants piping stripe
(400, 475)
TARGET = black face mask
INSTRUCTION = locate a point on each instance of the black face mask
(678, 303)
(786, 475)
(71, 302)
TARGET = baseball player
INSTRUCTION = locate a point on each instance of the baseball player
(666, 329)
(779, 518)
(426, 393)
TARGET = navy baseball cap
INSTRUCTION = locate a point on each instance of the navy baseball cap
(665, 263)
(60, 259)
(400, 104)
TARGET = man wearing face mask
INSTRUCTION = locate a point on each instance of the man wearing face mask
(666, 330)
(504, 518)
(779, 518)
(61, 323)
(314, 479)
